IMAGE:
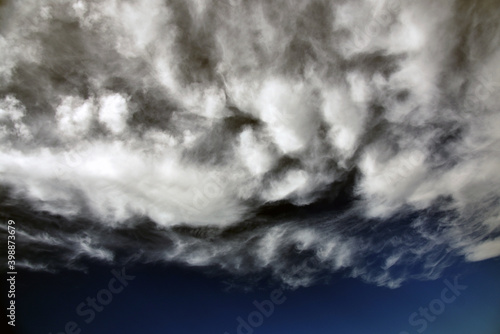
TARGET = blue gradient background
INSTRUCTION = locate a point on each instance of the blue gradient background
(177, 300)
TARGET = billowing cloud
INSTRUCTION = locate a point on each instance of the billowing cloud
(260, 137)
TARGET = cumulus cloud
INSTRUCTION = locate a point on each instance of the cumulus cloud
(256, 137)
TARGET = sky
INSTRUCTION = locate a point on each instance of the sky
(342, 155)
(172, 299)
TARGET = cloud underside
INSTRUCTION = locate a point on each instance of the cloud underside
(292, 139)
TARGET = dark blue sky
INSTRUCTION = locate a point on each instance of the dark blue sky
(165, 300)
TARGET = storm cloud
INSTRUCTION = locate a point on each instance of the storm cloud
(295, 139)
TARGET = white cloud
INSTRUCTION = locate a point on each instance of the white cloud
(74, 116)
(285, 109)
(113, 112)
(201, 118)
(486, 250)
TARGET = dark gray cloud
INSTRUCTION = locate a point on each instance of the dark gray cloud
(295, 139)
